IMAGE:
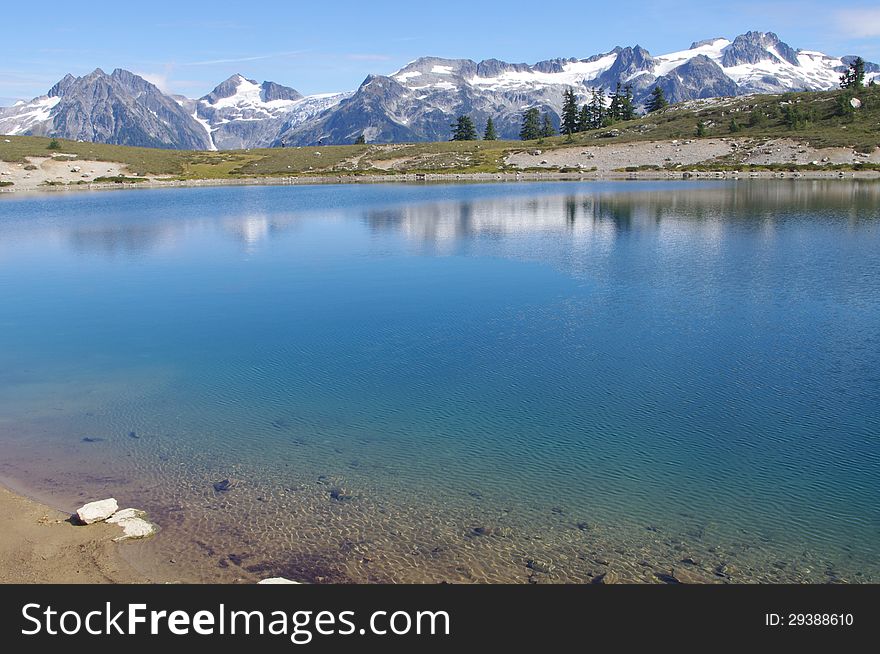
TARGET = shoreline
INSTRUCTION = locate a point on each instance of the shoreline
(453, 178)
(41, 544)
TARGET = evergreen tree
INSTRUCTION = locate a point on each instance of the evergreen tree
(657, 101)
(627, 106)
(614, 108)
(489, 134)
(54, 144)
(531, 125)
(854, 77)
(701, 128)
(585, 118)
(547, 128)
(598, 112)
(844, 105)
(361, 140)
(569, 112)
(734, 126)
(463, 129)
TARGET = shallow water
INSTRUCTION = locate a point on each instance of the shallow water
(509, 382)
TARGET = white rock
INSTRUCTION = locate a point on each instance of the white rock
(97, 511)
(133, 523)
(125, 514)
(277, 580)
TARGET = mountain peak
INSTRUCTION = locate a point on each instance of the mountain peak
(754, 46)
(250, 91)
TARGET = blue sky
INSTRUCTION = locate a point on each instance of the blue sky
(189, 47)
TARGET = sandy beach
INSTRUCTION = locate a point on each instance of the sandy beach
(39, 544)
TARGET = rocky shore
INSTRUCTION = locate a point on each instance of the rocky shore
(39, 544)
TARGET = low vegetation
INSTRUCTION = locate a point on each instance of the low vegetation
(117, 179)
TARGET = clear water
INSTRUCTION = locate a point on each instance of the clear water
(511, 382)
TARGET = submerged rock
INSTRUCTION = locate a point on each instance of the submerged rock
(225, 485)
(667, 578)
(682, 576)
(544, 567)
(97, 511)
(92, 439)
(339, 494)
(609, 577)
(725, 570)
(134, 524)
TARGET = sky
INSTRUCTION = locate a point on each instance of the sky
(315, 47)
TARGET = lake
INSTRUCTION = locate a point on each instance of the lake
(517, 382)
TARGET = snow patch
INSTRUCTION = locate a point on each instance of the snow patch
(247, 97)
(403, 77)
(573, 74)
(668, 62)
(204, 123)
(27, 115)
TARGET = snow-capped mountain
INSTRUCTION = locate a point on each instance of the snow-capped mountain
(119, 108)
(243, 113)
(417, 102)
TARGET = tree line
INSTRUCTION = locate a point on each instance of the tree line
(599, 111)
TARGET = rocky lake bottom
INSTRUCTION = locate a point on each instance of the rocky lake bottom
(609, 382)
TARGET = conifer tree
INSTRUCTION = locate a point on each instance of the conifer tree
(657, 101)
(463, 129)
(569, 112)
(362, 139)
(531, 125)
(614, 108)
(585, 118)
(854, 77)
(627, 106)
(489, 134)
(598, 112)
(547, 128)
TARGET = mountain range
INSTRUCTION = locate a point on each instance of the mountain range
(416, 103)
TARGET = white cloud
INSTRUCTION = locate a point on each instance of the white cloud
(274, 55)
(859, 23)
(158, 79)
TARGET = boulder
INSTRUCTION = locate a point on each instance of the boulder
(225, 485)
(134, 524)
(97, 511)
(277, 580)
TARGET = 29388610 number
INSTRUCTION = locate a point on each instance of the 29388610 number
(810, 619)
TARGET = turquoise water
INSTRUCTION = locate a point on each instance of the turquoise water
(510, 382)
